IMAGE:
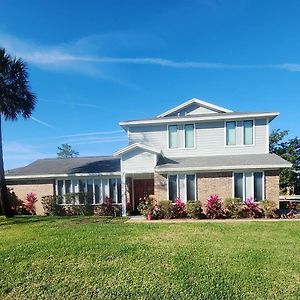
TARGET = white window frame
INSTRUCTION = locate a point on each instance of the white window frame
(168, 136)
(184, 136)
(182, 142)
(75, 188)
(252, 179)
(253, 131)
(178, 186)
(225, 133)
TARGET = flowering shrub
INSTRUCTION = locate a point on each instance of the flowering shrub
(214, 207)
(179, 209)
(148, 205)
(29, 205)
(251, 209)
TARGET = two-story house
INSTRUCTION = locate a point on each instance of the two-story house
(191, 151)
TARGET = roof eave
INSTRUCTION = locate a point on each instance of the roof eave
(223, 168)
(210, 117)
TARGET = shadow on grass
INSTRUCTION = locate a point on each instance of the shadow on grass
(52, 219)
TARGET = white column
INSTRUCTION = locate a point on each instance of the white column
(123, 189)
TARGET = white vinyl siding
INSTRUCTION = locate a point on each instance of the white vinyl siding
(138, 161)
(209, 139)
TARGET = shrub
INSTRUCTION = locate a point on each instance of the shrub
(270, 209)
(79, 210)
(214, 207)
(107, 208)
(233, 208)
(293, 209)
(194, 210)
(179, 209)
(148, 205)
(251, 209)
(15, 202)
(29, 205)
(51, 206)
(165, 210)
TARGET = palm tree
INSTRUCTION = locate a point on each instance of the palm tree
(16, 99)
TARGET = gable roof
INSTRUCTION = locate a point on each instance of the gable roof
(134, 146)
(195, 101)
(67, 166)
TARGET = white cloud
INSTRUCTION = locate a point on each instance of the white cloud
(42, 122)
(74, 57)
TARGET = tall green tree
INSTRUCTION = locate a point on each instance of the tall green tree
(289, 149)
(65, 151)
(16, 99)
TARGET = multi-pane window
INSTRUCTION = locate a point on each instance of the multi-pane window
(248, 132)
(181, 136)
(230, 133)
(249, 185)
(182, 186)
(91, 190)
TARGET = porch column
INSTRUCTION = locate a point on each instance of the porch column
(123, 189)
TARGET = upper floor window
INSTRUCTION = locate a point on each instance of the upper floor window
(173, 136)
(189, 135)
(248, 132)
(181, 136)
(230, 133)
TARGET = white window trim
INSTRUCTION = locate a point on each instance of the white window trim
(178, 186)
(183, 136)
(185, 147)
(225, 134)
(253, 130)
(75, 188)
(252, 179)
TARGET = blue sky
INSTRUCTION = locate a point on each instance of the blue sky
(95, 63)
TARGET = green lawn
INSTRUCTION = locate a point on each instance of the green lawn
(104, 258)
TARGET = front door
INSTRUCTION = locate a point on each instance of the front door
(142, 188)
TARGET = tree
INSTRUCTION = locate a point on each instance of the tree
(16, 99)
(289, 149)
(65, 151)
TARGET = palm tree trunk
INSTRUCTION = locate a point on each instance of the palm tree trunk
(4, 197)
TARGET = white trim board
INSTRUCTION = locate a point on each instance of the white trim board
(196, 101)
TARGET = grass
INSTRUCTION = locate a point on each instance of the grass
(105, 258)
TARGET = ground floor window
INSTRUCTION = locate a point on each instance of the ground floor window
(89, 190)
(182, 186)
(249, 184)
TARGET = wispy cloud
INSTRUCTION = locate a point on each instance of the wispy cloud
(42, 122)
(72, 57)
